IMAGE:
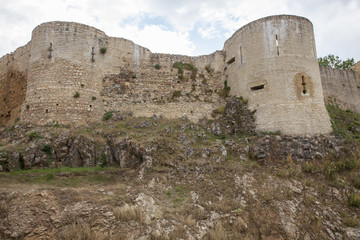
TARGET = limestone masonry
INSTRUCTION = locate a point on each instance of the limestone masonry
(71, 73)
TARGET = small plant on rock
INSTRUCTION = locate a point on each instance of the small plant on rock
(76, 95)
(103, 50)
(354, 200)
(176, 94)
(107, 116)
(47, 149)
(157, 66)
(93, 98)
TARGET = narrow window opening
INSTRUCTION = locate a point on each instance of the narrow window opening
(90, 105)
(258, 87)
(50, 49)
(92, 54)
(231, 61)
(303, 83)
(241, 58)
(46, 111)
(277, 44)
(27, 107)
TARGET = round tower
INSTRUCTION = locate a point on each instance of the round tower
(63, 80)
(272, 62)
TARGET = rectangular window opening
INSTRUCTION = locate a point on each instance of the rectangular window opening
(258, 87)
(231, 61)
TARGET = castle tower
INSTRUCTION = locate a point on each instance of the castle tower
(63, 80)
(272, 62)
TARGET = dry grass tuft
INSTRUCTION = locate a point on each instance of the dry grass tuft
(81, 231)
(218, 233)
(128, 213)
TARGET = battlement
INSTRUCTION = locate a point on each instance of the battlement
(73, 73)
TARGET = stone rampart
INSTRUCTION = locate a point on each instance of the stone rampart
(73, 74)
(341, 86)
(272, 62)
(13, 80)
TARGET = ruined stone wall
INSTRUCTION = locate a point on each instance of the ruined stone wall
(71, 81)
(149, 90)
(272, 62)
(13, 81)
(341, 86)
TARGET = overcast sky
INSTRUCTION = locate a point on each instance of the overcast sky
(190, 27)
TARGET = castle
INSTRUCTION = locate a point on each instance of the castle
(71, 73)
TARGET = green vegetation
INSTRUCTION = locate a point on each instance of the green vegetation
(47, 149)
(93, 98)
(225, 91)
(64, 176)
(185, 66)
(345, 123)
(209, 69)
(103, 50)
(157, 66)
(82, 85)
(354, 200)
(107, 115)
(34, 135)
(176, 94)
(133, 76)
(76, 95)
(334, 62)
(17, 120)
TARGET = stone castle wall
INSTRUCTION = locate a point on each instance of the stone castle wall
(341, 86)
(272, 62)
(13, 81)
(66, 61)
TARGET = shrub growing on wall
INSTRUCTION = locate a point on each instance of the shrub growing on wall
(76, 95)
(103, 50)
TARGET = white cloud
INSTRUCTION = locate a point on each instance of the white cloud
(334, 21)
(157, 39)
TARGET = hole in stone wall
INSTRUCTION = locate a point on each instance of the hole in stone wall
(277, 44)
(46, 111)
(57, 104)
(258, 87)
(303, 83)
(4, 99)
(27, 107)
(231, 61)
(241, 58)
(90, 105)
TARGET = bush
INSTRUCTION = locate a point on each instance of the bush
(354, 200)
(93, 98)
(103, 50)
(107, 116)
(34, 135)
(187, 66)
(47, 149)
(17, 120)
(157, 66)
(76, 95)
(133, 76)
(176, 94)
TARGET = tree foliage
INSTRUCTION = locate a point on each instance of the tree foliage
(335, 62)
